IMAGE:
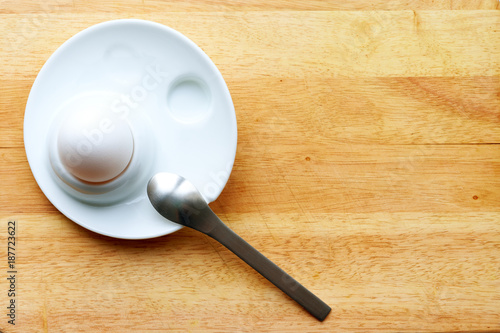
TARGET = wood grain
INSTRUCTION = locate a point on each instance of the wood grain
(302, 44)
(148, 6)
(368, 167)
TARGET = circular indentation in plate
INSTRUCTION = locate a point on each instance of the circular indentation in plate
(120, 51)
(122, 63)
(188, 99)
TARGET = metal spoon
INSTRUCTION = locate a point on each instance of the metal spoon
(178, 200)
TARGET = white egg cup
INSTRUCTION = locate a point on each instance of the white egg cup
(127, 182)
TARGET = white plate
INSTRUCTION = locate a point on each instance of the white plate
(170, 90)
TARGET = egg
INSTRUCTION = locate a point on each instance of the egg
(95, 145)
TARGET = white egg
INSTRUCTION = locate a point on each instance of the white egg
(95, 145)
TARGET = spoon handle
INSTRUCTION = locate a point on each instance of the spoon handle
(224, 235)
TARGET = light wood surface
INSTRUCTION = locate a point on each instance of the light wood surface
(368, 167)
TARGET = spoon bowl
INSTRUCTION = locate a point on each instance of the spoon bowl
(175, 198)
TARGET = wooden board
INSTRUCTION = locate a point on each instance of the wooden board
(368, 167)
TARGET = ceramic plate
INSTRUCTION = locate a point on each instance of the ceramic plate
(170, 92)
